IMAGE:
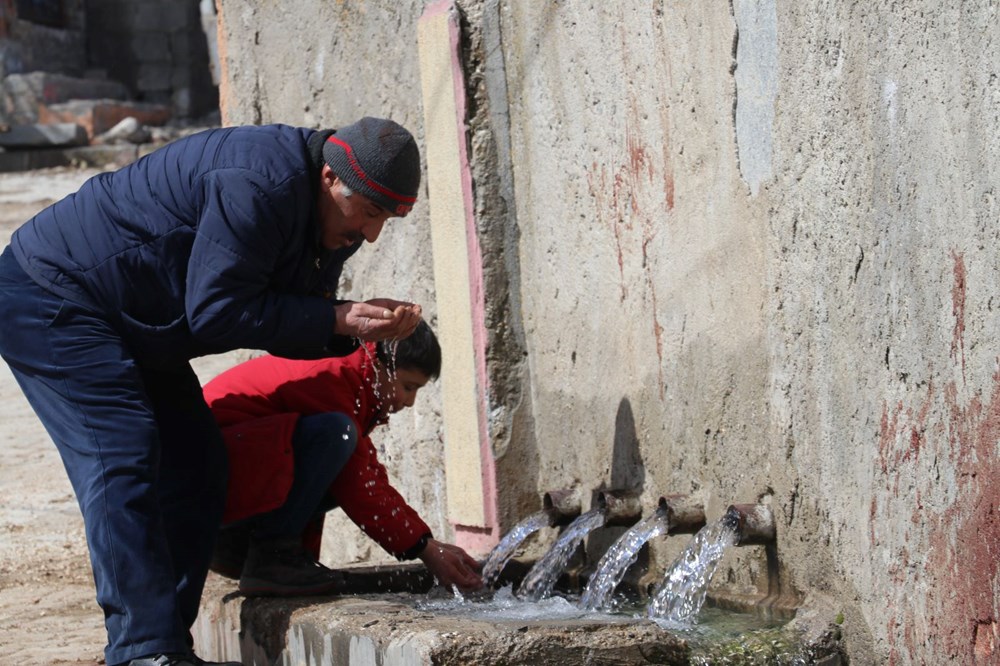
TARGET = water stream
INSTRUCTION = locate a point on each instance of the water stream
(680, 596)
(616, 561)
(542, 577)
(504, 550)
(716, 636)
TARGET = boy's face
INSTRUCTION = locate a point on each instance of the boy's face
(403, 388)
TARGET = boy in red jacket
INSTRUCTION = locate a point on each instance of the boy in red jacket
(297, 437)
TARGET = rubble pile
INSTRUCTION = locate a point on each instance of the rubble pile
(51, 120)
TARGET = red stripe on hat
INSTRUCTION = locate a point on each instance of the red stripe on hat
(364, 177)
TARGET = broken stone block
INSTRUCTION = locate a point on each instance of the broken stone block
(98, 116)
(128, 130)
(22, 95)
(41, 136)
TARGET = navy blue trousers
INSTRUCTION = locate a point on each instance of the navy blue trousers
(321, 445)
(142, 451)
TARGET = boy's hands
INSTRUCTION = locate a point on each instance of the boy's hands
(377, 319)
(451, 565)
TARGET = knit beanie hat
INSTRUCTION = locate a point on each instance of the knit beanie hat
(379, 159)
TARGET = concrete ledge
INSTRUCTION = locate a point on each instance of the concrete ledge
(374, 622)
(38, 135)
(385, 630)
(94, 156)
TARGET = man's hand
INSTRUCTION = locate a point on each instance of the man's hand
(451, 565)
(377, 319)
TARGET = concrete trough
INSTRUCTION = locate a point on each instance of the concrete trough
(386, 629)
(377, 621)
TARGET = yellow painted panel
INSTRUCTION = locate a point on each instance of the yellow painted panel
(463, 466)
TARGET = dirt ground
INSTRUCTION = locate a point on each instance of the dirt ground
(48, 614)
(47, 610)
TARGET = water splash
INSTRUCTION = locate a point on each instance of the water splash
(505, 606)
(616, 561)
(504, 550)
(681, 595)
(372, 358)
(542, 577)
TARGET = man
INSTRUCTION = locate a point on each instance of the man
(231, 238)
(297, 433)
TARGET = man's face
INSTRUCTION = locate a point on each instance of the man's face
(346, 220)
(403, 388)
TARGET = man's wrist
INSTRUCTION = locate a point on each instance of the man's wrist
(338, 325)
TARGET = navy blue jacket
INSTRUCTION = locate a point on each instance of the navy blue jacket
(208, 244)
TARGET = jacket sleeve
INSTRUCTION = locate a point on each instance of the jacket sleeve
(241, 232)
(363, 491)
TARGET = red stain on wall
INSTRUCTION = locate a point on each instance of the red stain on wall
(958, 308)
(942, 457)
(607, 203)
(902, 424)
(634, 194)
(623, 197)
(965, 537)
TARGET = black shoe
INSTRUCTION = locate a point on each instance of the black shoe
(230, 552)
(283, 568)
(189, 659)
(198, 661)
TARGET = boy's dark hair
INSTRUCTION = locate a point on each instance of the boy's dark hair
(420, 352)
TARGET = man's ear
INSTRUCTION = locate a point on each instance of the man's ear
(327, 175)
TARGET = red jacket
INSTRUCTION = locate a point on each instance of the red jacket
(257, 405)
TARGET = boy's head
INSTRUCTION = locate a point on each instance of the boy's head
(416, 360)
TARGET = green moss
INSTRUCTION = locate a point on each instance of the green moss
(768, 647)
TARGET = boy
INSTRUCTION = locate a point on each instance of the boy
(297, 437)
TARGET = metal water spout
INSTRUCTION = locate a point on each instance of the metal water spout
(562, 506)
(621, 507)
(754, 523)
(684, 516)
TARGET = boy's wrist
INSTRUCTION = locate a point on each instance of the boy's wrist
(417, 549)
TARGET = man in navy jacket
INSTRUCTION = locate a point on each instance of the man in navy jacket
(231, 238)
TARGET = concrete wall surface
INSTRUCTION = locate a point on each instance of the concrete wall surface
(741, 250)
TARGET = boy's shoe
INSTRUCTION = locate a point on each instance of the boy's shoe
(189, 659)
(230, 551)
(283, 568)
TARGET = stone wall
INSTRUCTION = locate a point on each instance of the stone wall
(745, 251)
(42, 35)
(158, 49)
